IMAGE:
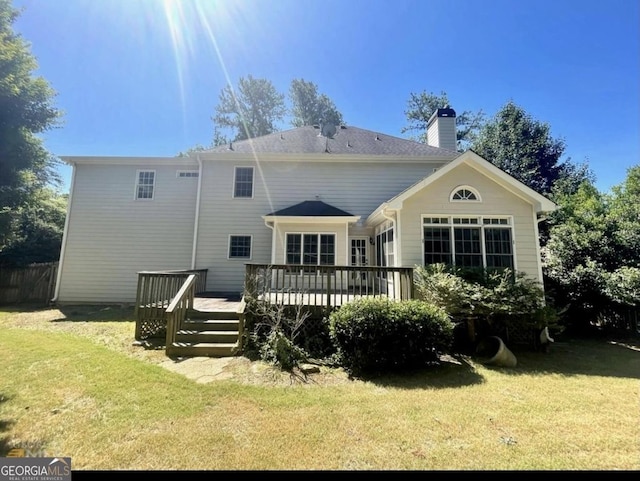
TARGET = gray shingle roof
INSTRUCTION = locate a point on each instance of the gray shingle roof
(347, 140)
(312, 208)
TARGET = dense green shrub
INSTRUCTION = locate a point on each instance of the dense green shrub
(378, 334)
(499, 301)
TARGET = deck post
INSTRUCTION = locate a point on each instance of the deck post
(328, 290)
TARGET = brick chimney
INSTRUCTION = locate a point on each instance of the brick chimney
(441, 129)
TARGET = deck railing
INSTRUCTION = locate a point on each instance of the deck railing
(156, 290)
(328, 286)
(176, 313)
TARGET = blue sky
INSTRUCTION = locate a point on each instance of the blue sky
(142, 77)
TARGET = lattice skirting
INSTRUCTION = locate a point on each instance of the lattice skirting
(151, 329)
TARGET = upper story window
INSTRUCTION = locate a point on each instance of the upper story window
(243, 182)
(465, 193)
(145, 184)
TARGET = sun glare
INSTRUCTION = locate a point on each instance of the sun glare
(191, 24)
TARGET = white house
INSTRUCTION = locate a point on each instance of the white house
(329, 195)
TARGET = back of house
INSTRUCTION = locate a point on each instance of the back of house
(311, 196)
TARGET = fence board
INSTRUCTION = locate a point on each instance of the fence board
(34, 284)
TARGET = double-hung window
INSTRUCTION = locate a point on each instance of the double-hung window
(240, 247)
(469, 242)
(243, 182)
(145, 184)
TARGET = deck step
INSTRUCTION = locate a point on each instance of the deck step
(211, 324)
(205, 349)
(211, 315)
(191, 335)
(207, 333)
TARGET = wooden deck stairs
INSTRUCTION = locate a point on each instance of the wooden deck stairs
(212, 334)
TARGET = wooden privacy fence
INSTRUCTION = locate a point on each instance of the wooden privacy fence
(34, 284)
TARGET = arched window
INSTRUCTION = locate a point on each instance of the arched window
(465, 193)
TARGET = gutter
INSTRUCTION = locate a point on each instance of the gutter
(196, 220)
(65, 235)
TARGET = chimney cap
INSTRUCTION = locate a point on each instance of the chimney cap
(446, 112)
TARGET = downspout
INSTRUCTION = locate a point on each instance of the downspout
(273, 241)
(196, 221)
(65, 235)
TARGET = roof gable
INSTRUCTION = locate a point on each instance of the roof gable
(470, 158)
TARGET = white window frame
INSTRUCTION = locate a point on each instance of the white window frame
(365, 241)
(380, 244)
(317, 234)
(253, 183)
(238, 258)
(191, 174)
(480, 224)
(137, 185)
(473, 190)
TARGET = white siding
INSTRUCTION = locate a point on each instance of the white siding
(442, 133)
(358, 188)
(112, 236)
(496, 200)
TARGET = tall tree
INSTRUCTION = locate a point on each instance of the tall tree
(38, 224)
(308, 107)
(524, 148)
(420, 108)
(251, 110)
(26, 110)
(592, 257)
(625, 212)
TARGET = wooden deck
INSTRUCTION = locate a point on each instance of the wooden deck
(224, 302)
(216, 302)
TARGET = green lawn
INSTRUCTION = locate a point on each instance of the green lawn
(75, 386)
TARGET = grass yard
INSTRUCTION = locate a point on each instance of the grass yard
(74, 385)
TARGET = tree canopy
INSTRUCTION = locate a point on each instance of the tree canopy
(26, 110)
(252, 110)
(592, 257)
(524, 148)
(256, 108)
(308, 107)
(420, 108)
